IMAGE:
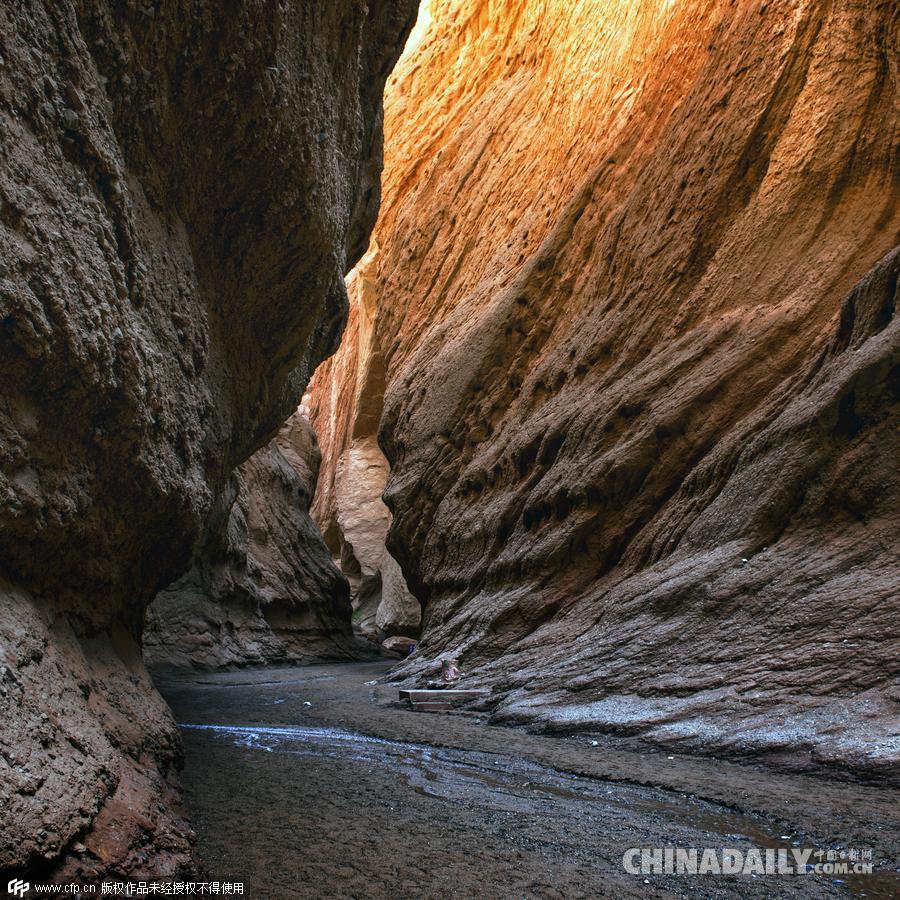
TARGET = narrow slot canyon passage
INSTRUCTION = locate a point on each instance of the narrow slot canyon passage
(449, 448)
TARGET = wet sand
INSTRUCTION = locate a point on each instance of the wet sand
(314, 783)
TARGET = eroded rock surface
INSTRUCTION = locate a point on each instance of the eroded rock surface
(633, 292)
(263, 588)
(348, 505)
(182, 189)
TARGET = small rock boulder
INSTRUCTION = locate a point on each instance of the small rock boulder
(399, 644)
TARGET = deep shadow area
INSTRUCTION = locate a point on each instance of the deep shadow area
(314, 782)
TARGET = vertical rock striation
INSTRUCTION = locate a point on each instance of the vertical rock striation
(182, 188)
(634, 292)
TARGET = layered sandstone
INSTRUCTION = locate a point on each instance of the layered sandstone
(634, 299)
(181, 192)
(263, 588)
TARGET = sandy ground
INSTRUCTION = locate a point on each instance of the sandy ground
(316, 782)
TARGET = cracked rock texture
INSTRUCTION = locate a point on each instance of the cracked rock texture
(633, 290)
(182, 188)
(348, 506)
(263, 588)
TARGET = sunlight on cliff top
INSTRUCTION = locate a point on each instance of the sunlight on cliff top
(420, 29)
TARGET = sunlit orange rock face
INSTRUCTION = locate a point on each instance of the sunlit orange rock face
(348, 507)
(634, 298)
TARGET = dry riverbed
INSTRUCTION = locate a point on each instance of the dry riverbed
(316, 783)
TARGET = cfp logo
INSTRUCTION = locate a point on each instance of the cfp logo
(17, 888)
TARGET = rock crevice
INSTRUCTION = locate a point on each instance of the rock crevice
(348, 507)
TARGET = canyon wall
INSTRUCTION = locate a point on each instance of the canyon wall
(633, 293)
(182, 189)
(263, 588)
(348, 508)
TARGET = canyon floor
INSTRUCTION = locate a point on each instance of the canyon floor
(316, 782)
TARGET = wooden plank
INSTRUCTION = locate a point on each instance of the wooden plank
(431, 706)
(449, 694)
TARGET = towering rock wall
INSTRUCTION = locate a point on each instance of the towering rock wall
(182, 188)
(635, 299)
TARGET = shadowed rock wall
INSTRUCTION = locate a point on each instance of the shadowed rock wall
(182, 188)
(635, 297)
(263, 588)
